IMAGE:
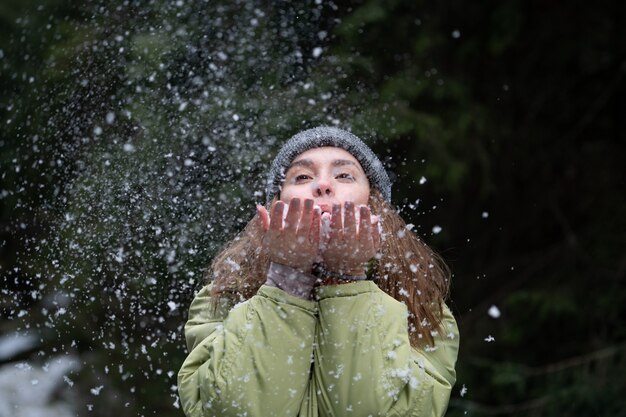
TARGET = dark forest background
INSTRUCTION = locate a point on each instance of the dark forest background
(134, 137)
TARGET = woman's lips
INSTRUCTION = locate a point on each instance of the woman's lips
(326, 208)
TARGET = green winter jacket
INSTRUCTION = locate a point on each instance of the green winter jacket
(346, 354)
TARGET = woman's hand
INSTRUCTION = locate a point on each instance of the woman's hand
(297, 243)
(346, 249)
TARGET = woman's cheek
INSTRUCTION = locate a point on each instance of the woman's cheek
(290, 191)
(356, 196)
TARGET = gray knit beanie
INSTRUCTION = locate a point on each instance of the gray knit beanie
(327, 136)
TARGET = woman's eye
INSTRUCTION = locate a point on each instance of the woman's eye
(302, 177)
(345, 175)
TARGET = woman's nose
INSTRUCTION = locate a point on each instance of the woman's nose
(322, 188)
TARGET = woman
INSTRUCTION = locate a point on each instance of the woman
(330, 307)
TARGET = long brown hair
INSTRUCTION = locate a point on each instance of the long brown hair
(406, 269)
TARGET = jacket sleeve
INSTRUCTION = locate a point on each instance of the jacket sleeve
(364, 363)
(256, 362)
(204, 316)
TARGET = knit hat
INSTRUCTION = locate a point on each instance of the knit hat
(327, 136)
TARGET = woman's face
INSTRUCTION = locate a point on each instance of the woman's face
(328, 175)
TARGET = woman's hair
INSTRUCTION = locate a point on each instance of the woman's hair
(406, 269)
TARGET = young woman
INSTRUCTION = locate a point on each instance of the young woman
(327, 305)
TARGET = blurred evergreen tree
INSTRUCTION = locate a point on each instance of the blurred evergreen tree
(135, 136)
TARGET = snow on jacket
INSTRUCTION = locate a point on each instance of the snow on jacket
(345, 354)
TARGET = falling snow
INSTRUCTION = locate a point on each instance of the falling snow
(494, 312)
(317, 52)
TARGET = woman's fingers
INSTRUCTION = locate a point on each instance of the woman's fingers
(293, 216)
(293, 241)
(349, 243)
(348, 250)
(336, 223)
(276, 219)
(305, 221)
(314, 232)
(349, 221)
(376, 232)
(365, 229)
(264, 217)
